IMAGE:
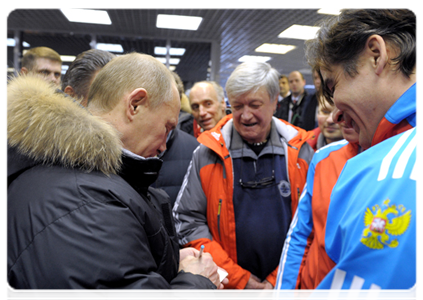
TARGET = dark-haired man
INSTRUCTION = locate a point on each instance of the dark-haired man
(367, 61)
(81, 73)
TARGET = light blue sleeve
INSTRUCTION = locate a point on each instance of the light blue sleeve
(371, 223)
(296, 239)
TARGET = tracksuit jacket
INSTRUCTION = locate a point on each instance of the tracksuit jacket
(371, 227)
(204, 209)
(304, 262)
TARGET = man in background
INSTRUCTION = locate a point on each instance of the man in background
(207, 101)
(81, 73)
(44, 62)
(298, 108)
(284, 85)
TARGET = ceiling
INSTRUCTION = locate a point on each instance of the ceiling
(223, 37)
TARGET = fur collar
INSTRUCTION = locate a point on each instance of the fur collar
(50, 128)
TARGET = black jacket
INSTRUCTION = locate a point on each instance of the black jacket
(80, 212)
(176, 158)
(304, 114)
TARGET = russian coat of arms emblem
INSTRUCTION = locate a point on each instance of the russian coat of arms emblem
(384, 224)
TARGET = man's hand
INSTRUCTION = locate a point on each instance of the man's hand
(190, 262)
(185, 252)
(253, 288)
(266, 293)
(255, 283)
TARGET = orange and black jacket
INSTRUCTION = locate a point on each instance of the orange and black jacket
(204, 209)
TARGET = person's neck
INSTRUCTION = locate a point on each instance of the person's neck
(296, 95)
(328, 141)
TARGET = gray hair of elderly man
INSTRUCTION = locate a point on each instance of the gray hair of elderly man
(250, 76)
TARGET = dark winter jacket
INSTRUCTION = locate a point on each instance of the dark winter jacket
(80, 210)
(304, 114)
(176, 158)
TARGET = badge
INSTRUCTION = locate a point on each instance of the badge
(384, 224)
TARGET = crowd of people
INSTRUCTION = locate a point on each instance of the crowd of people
(141, 185)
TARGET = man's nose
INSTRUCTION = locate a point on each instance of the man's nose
(162, 147)
(337, 115)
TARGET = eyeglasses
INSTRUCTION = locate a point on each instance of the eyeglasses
(258, 184)
(262, 182)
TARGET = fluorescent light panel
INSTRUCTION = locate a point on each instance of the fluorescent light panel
(110, 47)
(172, 51)
(329, 11)
(67, 58)
(301, 32)
(178, 22)
(64, 69)
(172, 61)
(254, 58)
(12, 43)
(275, 48)
(87, 16)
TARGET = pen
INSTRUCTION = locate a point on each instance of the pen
(201, 251)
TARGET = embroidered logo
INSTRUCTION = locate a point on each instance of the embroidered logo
(284, 188)
(215, 135)
(381, 224)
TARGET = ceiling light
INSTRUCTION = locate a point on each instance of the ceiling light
(109, 47)
(87, 16)
(64, 69)
(67, 58)
(172, 51)
(254, 58)
(172, 61)
(301, 32)
(275, 48)
(329, 11)
(178, 22)
(12, 43)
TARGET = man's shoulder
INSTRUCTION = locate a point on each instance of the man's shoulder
(393, 158)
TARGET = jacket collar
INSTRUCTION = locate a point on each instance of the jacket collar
(49, 128)
(138, 171)
(400, 117)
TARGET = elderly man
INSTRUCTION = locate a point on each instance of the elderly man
(367, 61)
(207, 102)
(243, 184)
(44, 62)
(80, 210)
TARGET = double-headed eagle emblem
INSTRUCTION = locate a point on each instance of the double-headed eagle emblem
(379, 227)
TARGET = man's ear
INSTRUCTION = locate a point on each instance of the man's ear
(69, 90)
(24, 70)
(137, 100)
(376, 49)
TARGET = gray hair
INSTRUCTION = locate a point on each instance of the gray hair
(80, 73)
(250, 76)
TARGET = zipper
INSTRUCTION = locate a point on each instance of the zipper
(218, 217)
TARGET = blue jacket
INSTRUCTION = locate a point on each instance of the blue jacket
(371, 227)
